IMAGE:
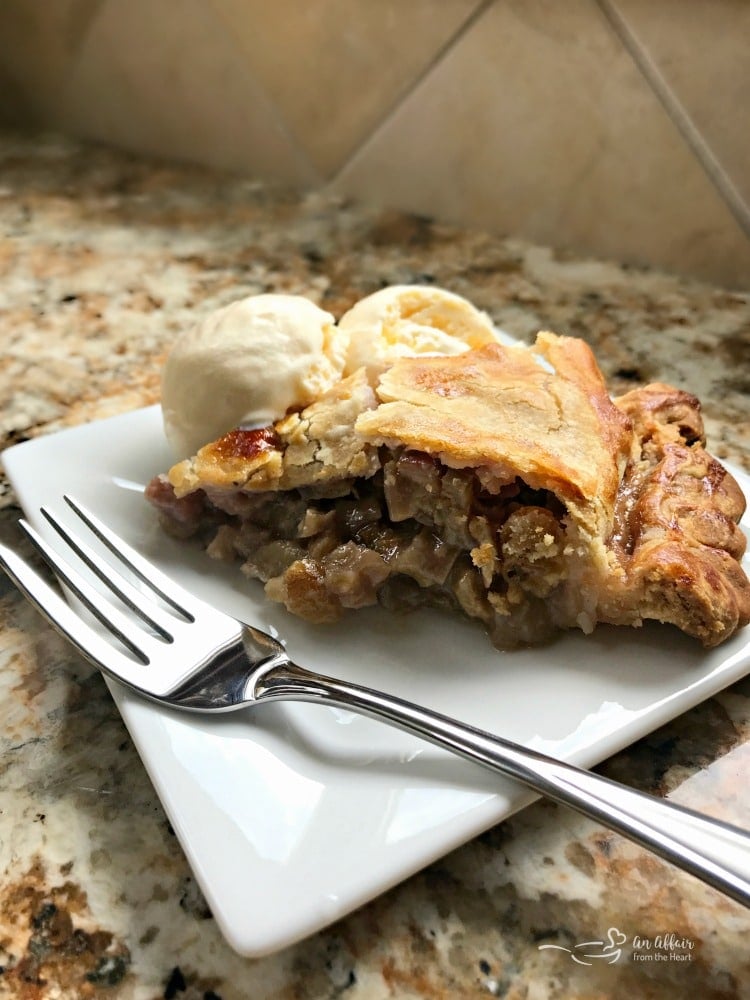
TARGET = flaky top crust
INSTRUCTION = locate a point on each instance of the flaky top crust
(312, 447)
(542, 414)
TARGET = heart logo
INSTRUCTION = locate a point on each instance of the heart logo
(616, 937)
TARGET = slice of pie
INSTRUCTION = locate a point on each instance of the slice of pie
(503, 482)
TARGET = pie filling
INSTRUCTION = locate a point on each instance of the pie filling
(416, 533)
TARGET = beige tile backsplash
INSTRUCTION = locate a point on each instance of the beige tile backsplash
(616, 128)
(176, 86)
(701, 52)
(557, 136)
(336, 68)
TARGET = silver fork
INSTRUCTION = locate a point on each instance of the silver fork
(187, 655)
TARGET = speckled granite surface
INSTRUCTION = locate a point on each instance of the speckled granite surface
(102, 260)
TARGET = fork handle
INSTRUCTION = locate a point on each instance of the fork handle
(713, 851)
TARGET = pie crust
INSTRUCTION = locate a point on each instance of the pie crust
(503, 482)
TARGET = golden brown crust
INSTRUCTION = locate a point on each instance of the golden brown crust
(307, 448)
(661, 413)
(677, 525)
(553, 425)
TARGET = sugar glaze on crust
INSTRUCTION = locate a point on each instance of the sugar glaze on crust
(503, 482)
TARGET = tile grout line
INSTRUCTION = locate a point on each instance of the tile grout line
(304, 161)
(679, 116)
(470, 21)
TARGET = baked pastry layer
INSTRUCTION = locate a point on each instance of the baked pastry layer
(503, 482)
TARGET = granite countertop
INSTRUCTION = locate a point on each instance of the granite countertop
(104, 259)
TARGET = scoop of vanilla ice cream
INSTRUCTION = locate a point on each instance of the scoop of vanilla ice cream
(406, 320)
(246, 365)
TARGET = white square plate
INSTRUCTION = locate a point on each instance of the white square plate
(294, 815)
